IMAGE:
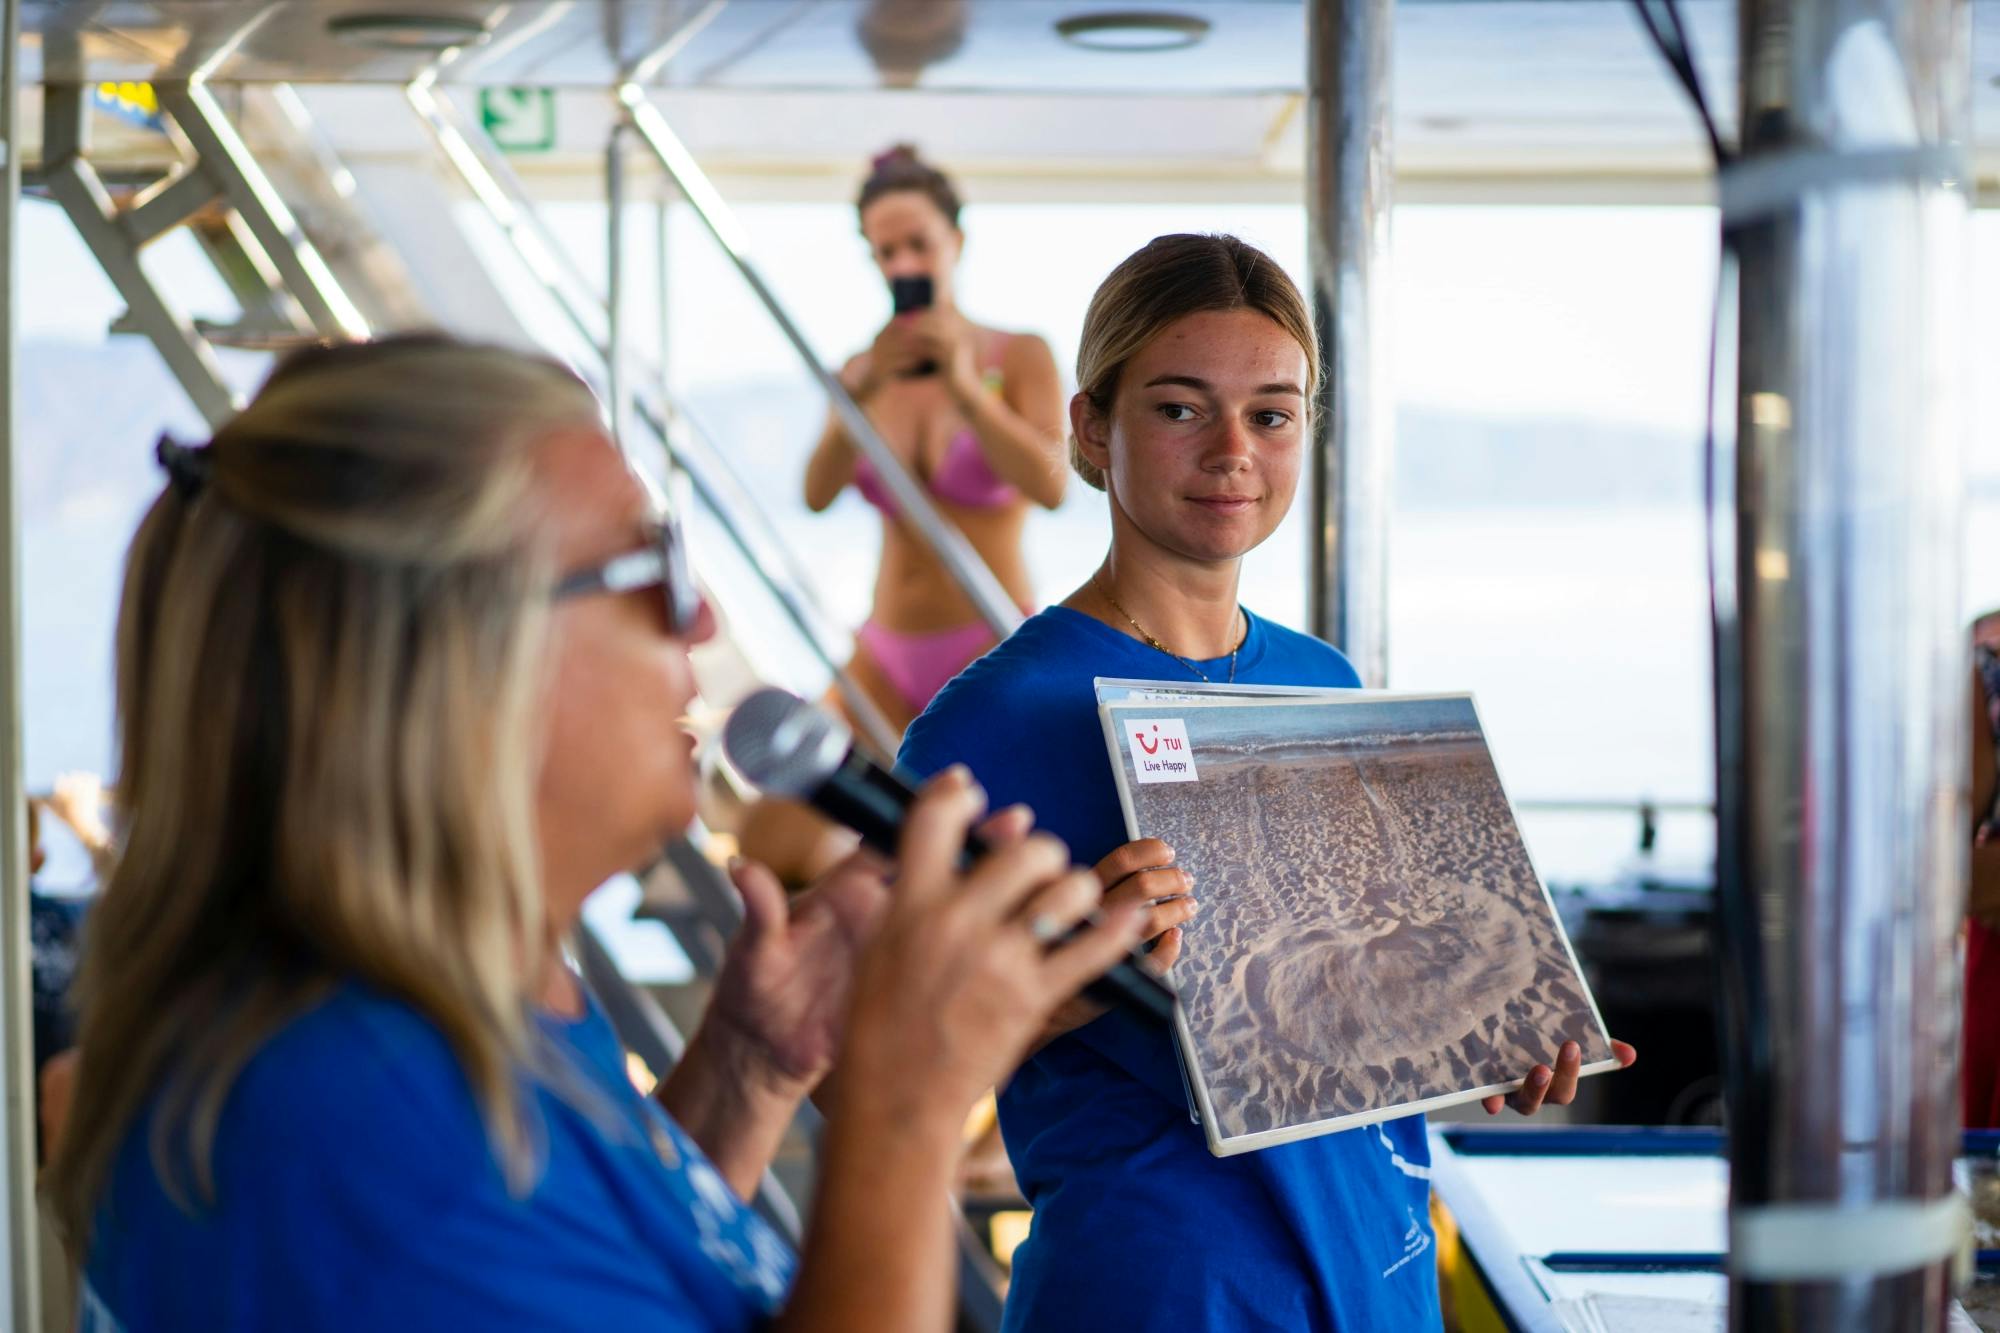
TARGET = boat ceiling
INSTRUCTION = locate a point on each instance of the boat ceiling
(1520, 85)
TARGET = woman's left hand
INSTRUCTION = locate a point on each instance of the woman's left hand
(1556, 1086)
(780, 1002)
(783, 983)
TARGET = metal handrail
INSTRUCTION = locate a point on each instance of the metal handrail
(303, 273)
(1647, 809)
(506, 200)
(723, 491)
(617, 384)
(496, 187)
(946, 542)
(650, 64)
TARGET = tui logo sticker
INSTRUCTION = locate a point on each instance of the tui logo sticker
(1160, 749)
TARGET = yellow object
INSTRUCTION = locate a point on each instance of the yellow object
(134, 97)
(641, 1075)
(1462, 1292)
(980, 1118)
(1007, 1230)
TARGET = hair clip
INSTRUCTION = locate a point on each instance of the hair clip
(187, 467)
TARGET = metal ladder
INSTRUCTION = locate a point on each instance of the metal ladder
(287, 291)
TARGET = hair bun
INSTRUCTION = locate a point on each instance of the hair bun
(895, 154)
(900, 167)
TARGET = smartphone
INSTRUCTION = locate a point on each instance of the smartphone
(907, 295)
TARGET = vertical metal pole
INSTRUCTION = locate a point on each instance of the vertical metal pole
(1841, 666)
(663, 276)
(617, 380)
(22, 1297)
(1349, 193)
(664, 327)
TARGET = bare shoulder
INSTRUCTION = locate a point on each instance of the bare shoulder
(1024, 351)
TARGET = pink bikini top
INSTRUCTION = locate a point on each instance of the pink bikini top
(963, 477)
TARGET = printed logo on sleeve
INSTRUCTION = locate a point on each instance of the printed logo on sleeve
(1160, 749)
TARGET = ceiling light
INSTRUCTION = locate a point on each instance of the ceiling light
(407, 32)
(1133, 30)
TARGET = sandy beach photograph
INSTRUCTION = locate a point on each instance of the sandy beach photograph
(1372, 933)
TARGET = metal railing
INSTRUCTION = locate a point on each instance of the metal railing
(300, 270)
(1645, 809)
(635, 389)
(954, 553)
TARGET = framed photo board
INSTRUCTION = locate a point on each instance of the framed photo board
(1373, 939)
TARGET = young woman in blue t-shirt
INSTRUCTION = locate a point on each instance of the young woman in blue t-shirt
(1195, 378)
(402, 668)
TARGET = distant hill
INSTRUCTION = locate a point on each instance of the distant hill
(1443, 460)
(89, 415)
(1450, 461)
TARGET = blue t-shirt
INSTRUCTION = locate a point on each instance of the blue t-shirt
(356, 1188)
(1136, 1224)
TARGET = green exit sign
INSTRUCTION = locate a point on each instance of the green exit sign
(520, 120)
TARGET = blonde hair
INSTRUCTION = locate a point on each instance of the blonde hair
(329, 654)
(1168, 279)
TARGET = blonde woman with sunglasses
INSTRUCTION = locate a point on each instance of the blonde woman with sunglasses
(402, 658)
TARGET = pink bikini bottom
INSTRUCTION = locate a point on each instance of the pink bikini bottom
(918, 665)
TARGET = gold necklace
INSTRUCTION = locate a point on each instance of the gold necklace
(1097, 581)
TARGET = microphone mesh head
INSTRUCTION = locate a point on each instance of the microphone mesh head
(783, 745)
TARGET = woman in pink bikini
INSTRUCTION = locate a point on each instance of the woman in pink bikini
(975, 414)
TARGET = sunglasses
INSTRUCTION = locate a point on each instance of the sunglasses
(662, 564)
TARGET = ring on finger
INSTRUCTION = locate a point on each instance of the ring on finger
(1045, 928)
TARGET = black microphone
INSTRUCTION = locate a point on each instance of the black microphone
(786, 747)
